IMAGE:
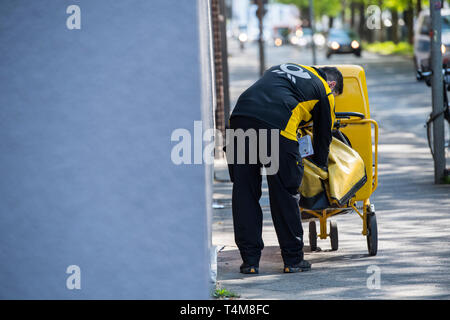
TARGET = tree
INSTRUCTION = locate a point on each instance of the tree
(398, 8)
(405, 6)
(330, 8)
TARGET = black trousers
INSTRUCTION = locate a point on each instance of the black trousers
(283, 194)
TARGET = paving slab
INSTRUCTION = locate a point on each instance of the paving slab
(413, 214)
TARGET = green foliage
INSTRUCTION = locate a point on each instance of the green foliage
(221, 293)
(301, 4)
(446, 179)
(329, 8)
(389, 47)
(333, 7)
(398, 5)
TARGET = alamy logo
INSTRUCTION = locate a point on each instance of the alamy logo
(374, 280)
(374, 17)
(74, 280)
(292, 71)
(73, 22)
(201, 147)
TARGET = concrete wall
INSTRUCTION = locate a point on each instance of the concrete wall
(208, 100)
(86, 176)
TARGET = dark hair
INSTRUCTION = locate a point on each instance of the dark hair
(333, 74)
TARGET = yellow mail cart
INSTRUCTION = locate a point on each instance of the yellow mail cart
(352, 175)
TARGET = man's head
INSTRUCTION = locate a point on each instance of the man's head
(334, 79)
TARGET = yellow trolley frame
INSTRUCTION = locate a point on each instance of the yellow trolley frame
(359, 131)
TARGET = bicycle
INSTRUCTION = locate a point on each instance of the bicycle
(426, 75)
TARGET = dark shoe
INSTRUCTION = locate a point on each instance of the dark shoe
(247, 269)
(299, 267)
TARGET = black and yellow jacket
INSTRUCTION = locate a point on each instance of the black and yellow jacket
(290, 95)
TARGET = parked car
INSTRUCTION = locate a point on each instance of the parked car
(281, 36)
(303, 37)
(343, 41)
(422, 44)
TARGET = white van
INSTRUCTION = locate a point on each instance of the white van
(422, 45)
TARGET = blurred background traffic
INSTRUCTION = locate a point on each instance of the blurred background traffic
(391, 39)
(340, 26)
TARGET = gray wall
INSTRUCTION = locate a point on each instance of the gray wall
(85, 171)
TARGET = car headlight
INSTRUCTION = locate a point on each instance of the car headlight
(278, 42)
(243, 37)
(443, 49)
(355, 44)
(334, 45)
(319, 39)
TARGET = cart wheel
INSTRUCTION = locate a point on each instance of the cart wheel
(334, 236)
(372, 233)
(312, 235)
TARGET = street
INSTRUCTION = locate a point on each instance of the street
(413, 260)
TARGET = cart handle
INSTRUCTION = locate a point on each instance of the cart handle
(375, 125)
(347, 115)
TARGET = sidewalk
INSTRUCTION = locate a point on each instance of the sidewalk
(413, 217)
